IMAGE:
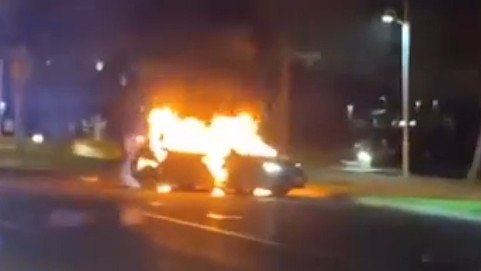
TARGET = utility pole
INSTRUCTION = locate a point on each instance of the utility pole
(20, 69)
(2, 99)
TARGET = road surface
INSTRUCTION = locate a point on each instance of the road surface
(193, 231)
(306, 234)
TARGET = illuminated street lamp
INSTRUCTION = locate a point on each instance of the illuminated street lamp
(99, 65)
(350, 111)
(387, 18)
(390, 17)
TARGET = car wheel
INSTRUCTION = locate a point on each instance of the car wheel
(149, 183)
(280, 192)
(242, 192)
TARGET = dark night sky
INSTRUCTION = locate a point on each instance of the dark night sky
(344, 28)
(347, 32)
(355, 46)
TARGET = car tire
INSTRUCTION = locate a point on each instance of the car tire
(149, 183)
(242, 192)
(280, 192)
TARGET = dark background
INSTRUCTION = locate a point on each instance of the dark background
(152, 41)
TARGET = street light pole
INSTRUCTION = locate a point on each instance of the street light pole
(390, 17)
(406, 41)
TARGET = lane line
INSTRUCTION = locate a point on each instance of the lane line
(157, 203)
(218, 216)
(261, 200)
(212, 229)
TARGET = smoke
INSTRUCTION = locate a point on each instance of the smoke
(214, 70)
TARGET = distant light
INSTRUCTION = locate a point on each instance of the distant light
(37, 138)
(418, 104)
(350, 111)
(364, 157)
(48, 62)
(435, 103)
(123, 80)
(387, 18)
(377, 112)
(99, 66)
(412, 123)
(3, 106)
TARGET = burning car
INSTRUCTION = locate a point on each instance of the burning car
(177, 171)
(263, 176)
(225, 154)
(260, 176)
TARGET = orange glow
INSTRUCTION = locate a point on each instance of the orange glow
(262, 192)
(164, 188)
(144, 162)
(214, 139)
(217, 192)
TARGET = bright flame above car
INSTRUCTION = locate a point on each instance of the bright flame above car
(214, 139)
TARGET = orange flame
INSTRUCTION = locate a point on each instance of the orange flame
(214, 140)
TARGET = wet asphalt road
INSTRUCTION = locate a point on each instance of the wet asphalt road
(308, 234)
(193, 231)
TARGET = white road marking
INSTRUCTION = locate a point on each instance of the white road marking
(213, 229)
(156, 203)
(89, 179)
(266, 199)
(222, 217)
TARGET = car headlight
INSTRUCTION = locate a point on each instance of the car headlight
(271, 167)
(364, 157)
(37, 138)
(262, 192)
